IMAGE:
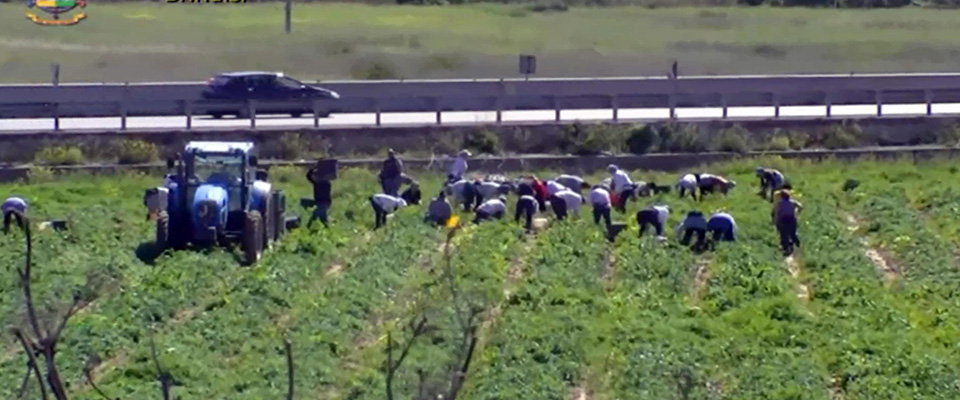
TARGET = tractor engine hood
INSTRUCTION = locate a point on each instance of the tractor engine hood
(209, 211)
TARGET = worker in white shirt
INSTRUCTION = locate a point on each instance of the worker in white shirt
(459, 166)
(564, 202)
(572, 182)
(384, 204)
(621, 185)
(13, 207)
(600, 201)
(771, 180)
(688, 183)
(554, 187)
(722, 226)
(491, 209)
(526, 208)
(655, 216)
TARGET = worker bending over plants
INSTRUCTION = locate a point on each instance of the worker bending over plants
(693, 224)
(383, 205)
(13, 207)
(491, 209)
(600, 201)
(784, 216)
(722, 227)
(771, 180)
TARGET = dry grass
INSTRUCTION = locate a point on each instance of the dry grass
(159, 41)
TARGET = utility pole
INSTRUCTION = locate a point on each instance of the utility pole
(287, 12)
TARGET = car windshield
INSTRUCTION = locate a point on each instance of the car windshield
(218, 167)
(289, 82)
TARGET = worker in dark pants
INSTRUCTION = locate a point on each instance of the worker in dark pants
(784, 216)
(526, 208)
(722, 227)
(654, 216)
(694, 224)
(13, 207)
(391, 174)
(439, 210)
(321, 196)
(600, 201)
(559, 207)
(383, 205)
(491, 210)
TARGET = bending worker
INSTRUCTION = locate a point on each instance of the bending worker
(491, 209)
(459, 166)
(722, 226)
(564, 202)
(439, 210)
(655, 216)
(600, 201)
(771, 180)
(10, 208)
(709, 183)
(621, 185)
(688, 182)
(526, 207)
(383, 205)
(694, 223)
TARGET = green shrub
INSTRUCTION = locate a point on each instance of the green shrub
(778, 143)
(949, 135)
(136, 152)
(552, 6)
(287, 174)
(799, 140)
(590, 139)
(641, 139)
(683, 139)
(843, 136)
(60, 155)
(40, 175)
(735, 140)
(290, 146)
(374, 70)
(482, 141)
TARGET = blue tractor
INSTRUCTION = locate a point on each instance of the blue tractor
(213, 194)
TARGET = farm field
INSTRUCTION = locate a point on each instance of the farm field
(867, 308)
(156, 41)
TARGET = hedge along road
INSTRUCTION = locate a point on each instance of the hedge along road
(474, 118)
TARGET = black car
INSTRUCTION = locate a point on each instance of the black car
(278, 93)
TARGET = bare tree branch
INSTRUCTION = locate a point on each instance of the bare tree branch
(26, 380)
(32, 360)
(392, 366)
(460, 376)
(86, 373)
(25, 273)
(66, 317)
(286, 345)
(166, 380)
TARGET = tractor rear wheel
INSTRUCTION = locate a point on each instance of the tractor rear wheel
(163, 231)
(252, 237)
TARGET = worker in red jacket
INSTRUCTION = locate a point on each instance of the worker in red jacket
(540, 192)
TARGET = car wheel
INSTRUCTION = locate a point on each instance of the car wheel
(216, 115)
(296, 114)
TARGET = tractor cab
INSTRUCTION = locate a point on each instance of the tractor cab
(212, 195)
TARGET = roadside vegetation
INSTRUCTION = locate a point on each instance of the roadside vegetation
(486, 313)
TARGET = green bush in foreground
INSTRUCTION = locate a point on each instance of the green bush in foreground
(60, 155)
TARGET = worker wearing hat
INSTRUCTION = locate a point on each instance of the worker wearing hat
(459, 166)
(13, 207)
(784, 215)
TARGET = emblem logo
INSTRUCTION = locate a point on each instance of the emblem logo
(56, 8)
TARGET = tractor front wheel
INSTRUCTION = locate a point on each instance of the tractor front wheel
(163, 231)
(252, 237)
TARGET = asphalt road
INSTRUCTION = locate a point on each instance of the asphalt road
(475, 118)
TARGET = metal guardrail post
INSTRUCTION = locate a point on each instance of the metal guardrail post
(499, 106)
(828, 101)
(252, 111)
(616, 109)
(723, 103)
(316, 113)
(929, 97)
(879, 103)
(776, 105)
(188, 111)
(556, 109)
(672, 100)
(56, 116)
(123, 114)
(376, 106)
(436, 103)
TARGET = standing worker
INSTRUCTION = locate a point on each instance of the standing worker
(621, 186)
(321, 194)
(491, 209)
(784, 215)
(526, 208)
(655, 216)
(383, 205)
(459, 166)
(600, 201)
(391, 174)
(694, 223)
(722, 226)
(771, 180)
(439, 210)
(13, 207)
